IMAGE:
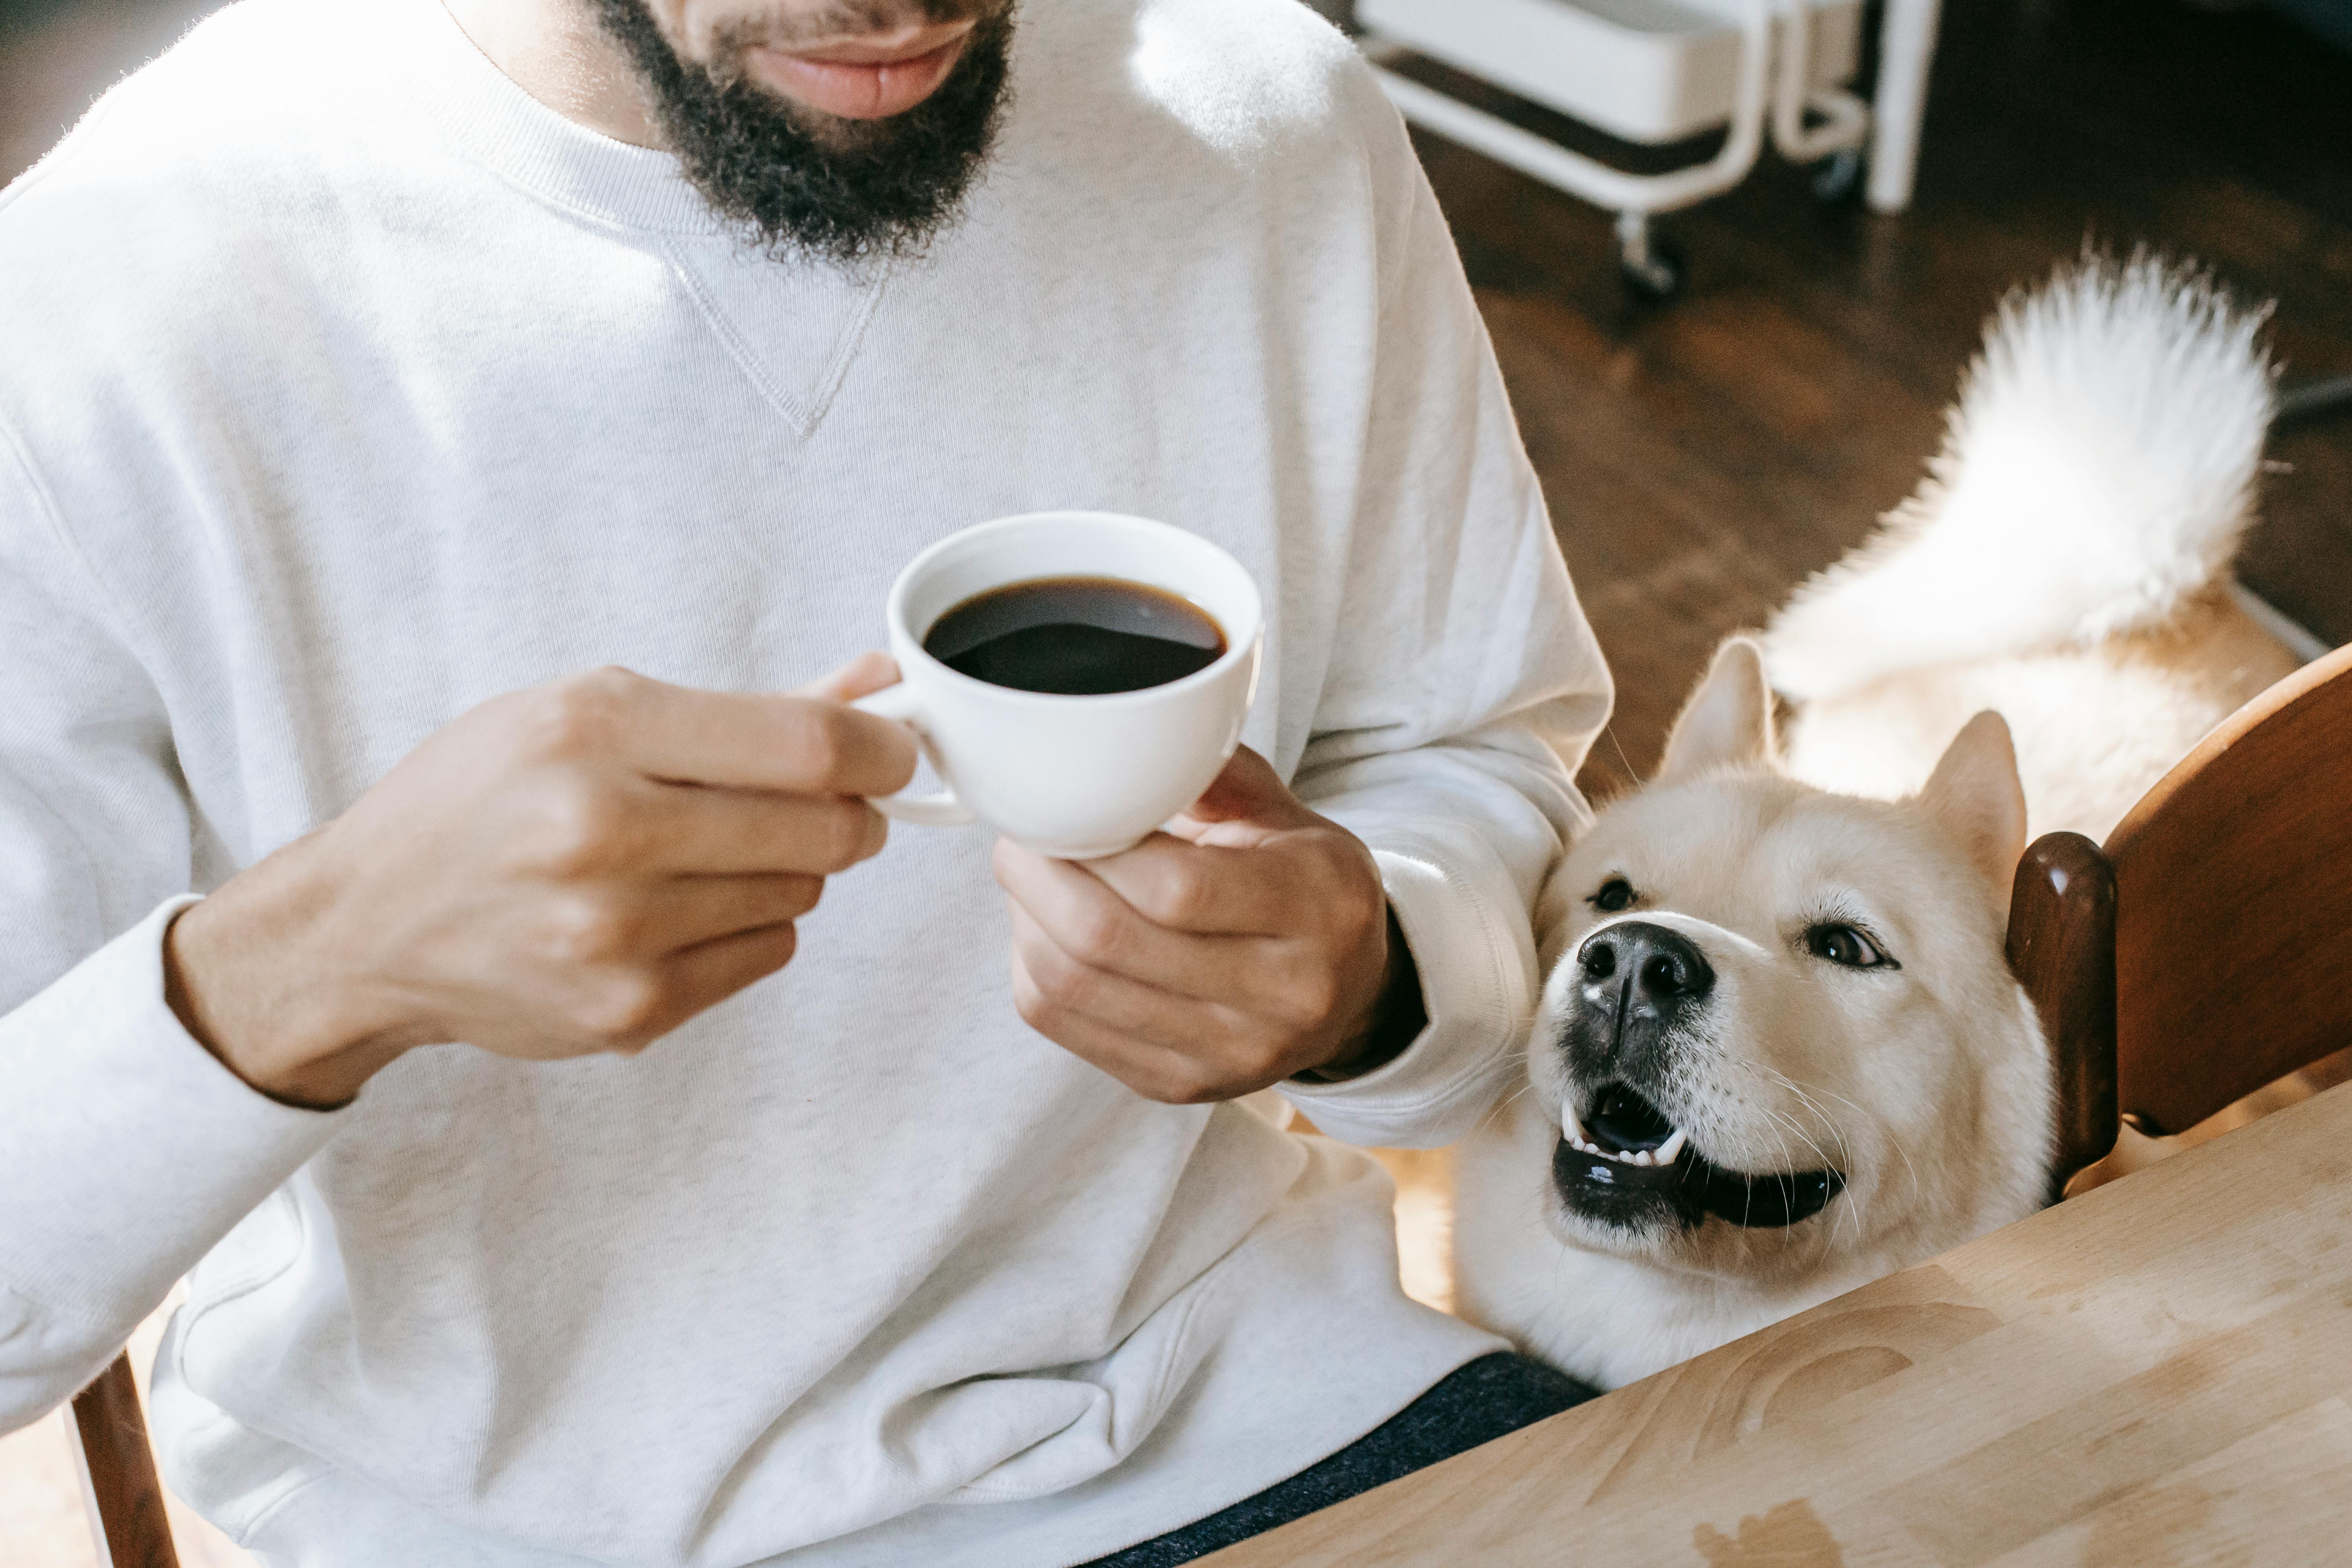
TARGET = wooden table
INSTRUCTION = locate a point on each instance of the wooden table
(2159, 1372)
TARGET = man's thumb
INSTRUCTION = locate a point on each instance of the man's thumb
(1249, 790)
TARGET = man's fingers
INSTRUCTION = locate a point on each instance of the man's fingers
(861, 677)
(688, 831)
(1150, 1013)
(1088, 919)
(1249, 790)
(680, 913)
(710, 972)
(1198, 888)
(1156, 1071)
(801, 745)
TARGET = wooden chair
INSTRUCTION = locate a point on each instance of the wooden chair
(2208, 950)
(125, 1495)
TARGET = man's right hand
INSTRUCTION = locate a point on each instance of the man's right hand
(574, 868)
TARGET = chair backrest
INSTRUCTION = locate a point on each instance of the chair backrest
(2207, 951)
(125, 1493)
(2061, 948)
(2233, 906)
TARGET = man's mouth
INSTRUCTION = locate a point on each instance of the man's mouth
(1622, 1159)
(868, 77)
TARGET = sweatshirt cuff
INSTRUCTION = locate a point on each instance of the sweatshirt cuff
(126, 1149)
(1472, 944)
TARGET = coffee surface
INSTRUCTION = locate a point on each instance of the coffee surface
(1076, 637)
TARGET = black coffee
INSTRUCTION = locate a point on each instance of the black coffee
(1076, 637)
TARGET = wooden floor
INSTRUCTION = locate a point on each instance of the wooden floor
(1703, 457)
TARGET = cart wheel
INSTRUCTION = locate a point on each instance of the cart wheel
(1656, 278)
(1837, 179)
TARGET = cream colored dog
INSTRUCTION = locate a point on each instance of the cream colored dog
(1779, 1053)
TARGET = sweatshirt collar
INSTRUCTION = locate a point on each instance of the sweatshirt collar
(454, 86)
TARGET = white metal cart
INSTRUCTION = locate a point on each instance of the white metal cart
(1656, 72)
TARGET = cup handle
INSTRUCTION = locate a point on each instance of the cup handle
(941, 810)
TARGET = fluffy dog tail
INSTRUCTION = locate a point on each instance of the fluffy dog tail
(2098, 469)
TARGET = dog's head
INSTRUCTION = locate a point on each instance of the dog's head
(1778, 1029)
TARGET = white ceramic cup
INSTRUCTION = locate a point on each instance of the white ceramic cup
(1072, 777)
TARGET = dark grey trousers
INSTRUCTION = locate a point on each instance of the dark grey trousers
(1472, 1405)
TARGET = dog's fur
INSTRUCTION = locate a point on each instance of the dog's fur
(2066, 564)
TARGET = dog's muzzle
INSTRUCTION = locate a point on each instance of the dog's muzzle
(1620, 1158)
(1623, 1161)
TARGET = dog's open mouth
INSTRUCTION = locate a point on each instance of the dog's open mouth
(1621, 1160)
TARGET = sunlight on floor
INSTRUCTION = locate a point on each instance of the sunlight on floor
(1424, 1216)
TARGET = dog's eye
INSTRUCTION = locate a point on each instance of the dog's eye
(1615, 894)
(1844, 945)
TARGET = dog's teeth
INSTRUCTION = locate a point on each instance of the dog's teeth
(1671, 1147)
(1569, 1125)
(1638, 1157)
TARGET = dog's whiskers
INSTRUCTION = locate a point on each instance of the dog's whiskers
(1886, 1129)
(1896, 1143)
(1845, 1151)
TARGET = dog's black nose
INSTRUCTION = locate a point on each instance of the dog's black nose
(1666, 966)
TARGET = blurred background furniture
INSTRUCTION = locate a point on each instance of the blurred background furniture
(1660, 71)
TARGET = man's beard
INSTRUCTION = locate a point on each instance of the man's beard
(797, 182)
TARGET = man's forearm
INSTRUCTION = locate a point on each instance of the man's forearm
(125, 1153)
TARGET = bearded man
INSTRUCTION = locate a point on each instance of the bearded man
(437, 449)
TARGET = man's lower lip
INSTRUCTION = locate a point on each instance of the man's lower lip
(856, 92)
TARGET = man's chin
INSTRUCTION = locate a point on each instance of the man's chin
(798, 181)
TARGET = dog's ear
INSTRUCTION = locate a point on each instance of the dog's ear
(1975, 793)
(1727, 722)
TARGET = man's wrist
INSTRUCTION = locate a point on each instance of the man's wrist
(1398, 1018)
(236, 975)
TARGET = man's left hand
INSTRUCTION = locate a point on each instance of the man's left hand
(1247, 943)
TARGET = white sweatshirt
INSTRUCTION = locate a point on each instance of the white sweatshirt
(345, 387)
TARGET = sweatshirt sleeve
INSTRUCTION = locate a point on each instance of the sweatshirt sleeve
(1465, 689)
(126, 1150)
